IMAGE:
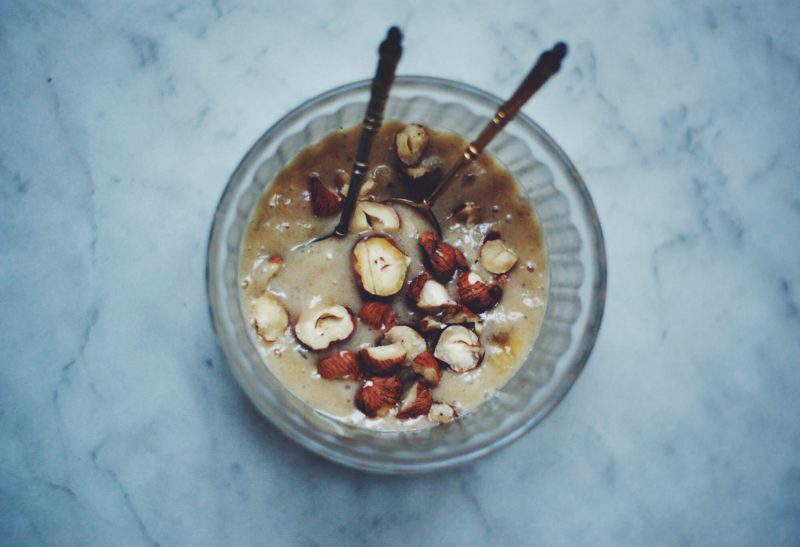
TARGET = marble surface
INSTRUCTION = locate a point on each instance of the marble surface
(119, 421)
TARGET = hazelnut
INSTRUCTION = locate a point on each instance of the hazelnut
(382, 359)
(460, 348)
(378, 395)
(428, 368)
(321, 326)
(379, 264)
(411, 340)
(410, 143)
(341, 365)
(417, 402)
(324, 202)
(269, 317)
(475, 294)
(442, 413)
(496, 257)
(371, 215)
(429, 295)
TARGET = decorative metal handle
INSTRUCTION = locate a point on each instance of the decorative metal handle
(548, 64)
(390, 52)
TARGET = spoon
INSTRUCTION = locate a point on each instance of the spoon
(548, 64)
(390, 52)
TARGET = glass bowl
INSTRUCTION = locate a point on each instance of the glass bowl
(577, 278)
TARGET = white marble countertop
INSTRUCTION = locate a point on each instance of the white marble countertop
(120, 424)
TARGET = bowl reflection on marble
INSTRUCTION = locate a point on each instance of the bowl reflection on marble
(576, 295)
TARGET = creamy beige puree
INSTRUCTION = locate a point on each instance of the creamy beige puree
(322, 273)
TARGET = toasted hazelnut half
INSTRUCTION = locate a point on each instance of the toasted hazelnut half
(342, 181)
(340, 365)
(475, 294)
(468, 214)
(382, 359)
(428, 368)
(429, 295)
(411, 143)
(371, 215)
(377, 314)
(434, 296)
(324, 202)
(417, 402)
(461, 315)
(441, 413)
(269, 317)
(321, 326)
(460, 348)
(264, 269)
(411, 340)
(496, 257)
(379, 264)
(378, 395)
(415, 287)
(430, 324)
(442, 258)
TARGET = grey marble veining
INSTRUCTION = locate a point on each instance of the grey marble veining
(119, 422)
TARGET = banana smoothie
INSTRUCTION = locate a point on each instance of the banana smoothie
(392, 326)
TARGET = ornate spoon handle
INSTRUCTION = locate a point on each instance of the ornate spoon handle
(390, 52)
(548, 64)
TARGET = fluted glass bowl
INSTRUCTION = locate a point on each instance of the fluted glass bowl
(577, 277)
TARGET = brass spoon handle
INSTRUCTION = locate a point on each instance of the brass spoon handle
(390, 52)
(548, 64)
